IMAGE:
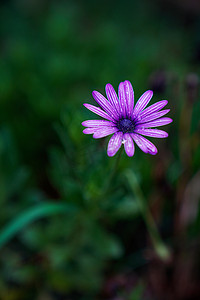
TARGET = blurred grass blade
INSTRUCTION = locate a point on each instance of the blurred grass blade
(161, 249)
(31, 215)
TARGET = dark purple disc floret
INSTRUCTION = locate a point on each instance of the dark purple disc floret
(127, 123)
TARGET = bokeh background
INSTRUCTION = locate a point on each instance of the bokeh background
(59, 239)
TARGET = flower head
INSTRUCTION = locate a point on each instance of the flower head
(127, 123)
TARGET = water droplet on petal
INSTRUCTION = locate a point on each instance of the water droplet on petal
(123, 141)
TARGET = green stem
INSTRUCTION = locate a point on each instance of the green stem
(160, 248)
(108, 182)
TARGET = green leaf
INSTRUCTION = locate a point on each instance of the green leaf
(31, 215)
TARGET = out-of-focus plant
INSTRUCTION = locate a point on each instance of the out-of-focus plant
(57, 236)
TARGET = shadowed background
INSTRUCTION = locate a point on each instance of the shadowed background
(59, 240)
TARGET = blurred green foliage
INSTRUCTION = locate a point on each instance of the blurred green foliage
(59, 238)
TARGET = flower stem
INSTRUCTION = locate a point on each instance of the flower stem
(112, 173)
(161, 249)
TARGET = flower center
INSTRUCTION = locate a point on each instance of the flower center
(125, 125)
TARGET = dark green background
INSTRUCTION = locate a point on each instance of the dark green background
(59, 238)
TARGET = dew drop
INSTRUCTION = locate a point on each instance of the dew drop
(123, 141)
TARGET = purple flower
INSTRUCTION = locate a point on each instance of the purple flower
(127, 123)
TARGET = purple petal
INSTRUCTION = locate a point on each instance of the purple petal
(156, 123)
(112, 97)
(153, 108)
(114, 143)
(128, 144)
(144, 144)
(152, 132)
(137, 139)
(129, 97)
(142, 102)
(122, 99)
(104, 131)
(89, 130)
(98, 111)
(97, 123)
(126, 93)
(150, 117)
(104, 103)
